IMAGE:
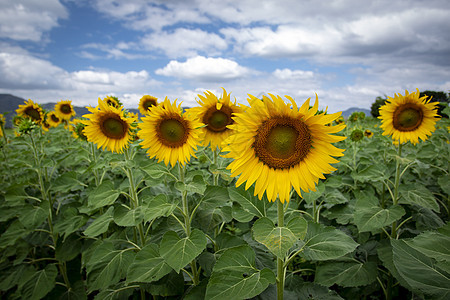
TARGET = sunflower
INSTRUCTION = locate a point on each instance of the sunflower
(112, 101)
(31, 110)
(368, 133)
(64, 110)
(409, 117)
(216, 114)
(279, 146)
(169, 135)
(146, 102)
(76, 127)
(53, 119)
(356, 135)
(45, 125)
(108, 127)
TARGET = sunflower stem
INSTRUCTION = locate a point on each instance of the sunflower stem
(396, 185)
(215, 175)
(134, 195)
(187, 221)
(281, 268)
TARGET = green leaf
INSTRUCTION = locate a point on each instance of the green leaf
(249, 203)
(312, 196)
(432, 244)
(34, 216)
(69, 248)
(419, 270)
(101, 224)
(12, 234)
(179, 252)
(343, 214)
(157, 207)
(155, 170)
(40, 283)
(373, 172)
(148, 265)
(346, 274)
(67, 182)
(369, 216)
(69, 223)
(197, 185)
(236, 277)
(418, 194)
(325, 243)
(107, 266)
(384, 251)
(444, 183)
(103, 195)
(16, 276)
(279, 239)
(311, 291)
(128, 217)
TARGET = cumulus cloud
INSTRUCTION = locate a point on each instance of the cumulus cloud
(184, 42)
(23, 74)
(204, 69)
(29, 20)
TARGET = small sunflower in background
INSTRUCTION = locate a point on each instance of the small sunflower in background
(108, 127)
(354, 117)
(409, 117)
(31, 110)
(279, 146)
(216, 114)
(45, 125)
(2, 124)
(112, 101)
(64, 110)
(77, 127)
(168, 134)
(356, 135)
(52, 119)
(146, 102)
(368, 133)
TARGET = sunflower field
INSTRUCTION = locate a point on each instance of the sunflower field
(226, 200)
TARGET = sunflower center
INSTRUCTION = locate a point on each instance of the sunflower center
(66, 109)
(33, 113)
(173, 132)
(113, 127)
(217, 120)
(407, 117)
(54, 118)
(282, 142)
(149, 103)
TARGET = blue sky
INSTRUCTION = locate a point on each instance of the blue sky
(347, 51)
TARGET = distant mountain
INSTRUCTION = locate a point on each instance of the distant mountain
(348, 112)
(9, 103)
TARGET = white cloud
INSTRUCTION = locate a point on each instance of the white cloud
(184, 42)
(28, 20)
(287, 74)
(28, 76)
(204, 69)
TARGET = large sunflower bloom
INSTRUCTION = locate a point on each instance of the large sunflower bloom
(52, 119)
(146, 103)
(31, 110)
(64, 110)
(279, 146)
(169, 135)
(409, 117)
(216, 114)
(108, 127)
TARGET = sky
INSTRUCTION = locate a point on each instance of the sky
(348, 52)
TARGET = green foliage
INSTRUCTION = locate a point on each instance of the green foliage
(69, 219)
